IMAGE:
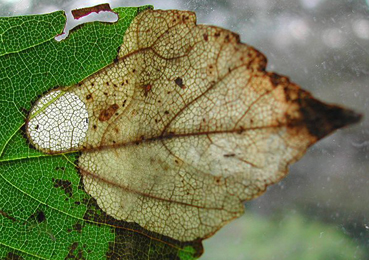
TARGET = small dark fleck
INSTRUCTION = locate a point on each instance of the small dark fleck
(116, 60)
(206, 37)
(37, 126)
(77, 227)
(179, 82)
(94, 126)
(89, 96)
(166, 112)
(105, 93)
(40, 217)
(229, 155)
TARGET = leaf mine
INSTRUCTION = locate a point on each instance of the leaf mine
(183, 127)
(58, 121)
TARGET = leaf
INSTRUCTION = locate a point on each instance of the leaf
(44, 211)
(183, 127)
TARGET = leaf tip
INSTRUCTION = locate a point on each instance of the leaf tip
(322, 119)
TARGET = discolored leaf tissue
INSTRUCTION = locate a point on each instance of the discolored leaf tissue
(173, 135)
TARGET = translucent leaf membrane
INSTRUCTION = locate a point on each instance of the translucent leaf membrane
(185, 126)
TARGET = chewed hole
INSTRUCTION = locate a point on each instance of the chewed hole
(58, 122)
(92, 14)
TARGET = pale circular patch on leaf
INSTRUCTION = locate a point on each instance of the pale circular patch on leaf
(58, 122)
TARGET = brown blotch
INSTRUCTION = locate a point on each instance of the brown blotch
(206, 37)
(276, 79)
(320, 119)
(147, 89)
(89, 96)
(106, 114)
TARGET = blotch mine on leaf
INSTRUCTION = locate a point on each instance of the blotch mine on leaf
(57, 122)
(184, 160)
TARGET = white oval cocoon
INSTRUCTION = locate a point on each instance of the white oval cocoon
(58, 122)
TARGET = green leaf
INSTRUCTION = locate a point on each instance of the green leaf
(44, 211)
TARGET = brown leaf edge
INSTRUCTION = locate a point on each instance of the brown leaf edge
(81, 12)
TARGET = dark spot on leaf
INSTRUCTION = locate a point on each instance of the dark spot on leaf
(229, 155)
(116, 60)
(276, 79)
(147, 89)
(89, 96)
(94, 126)
(77, 227)
(40, 216)
(179, 82)
(13, 256)
(74, 253)
(64, 185)
(24, 111)
(206, 37)
(166, 112)
(106, 114)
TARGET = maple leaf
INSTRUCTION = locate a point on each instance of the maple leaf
(183, 127)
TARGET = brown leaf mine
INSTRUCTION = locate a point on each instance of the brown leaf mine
(200, 127)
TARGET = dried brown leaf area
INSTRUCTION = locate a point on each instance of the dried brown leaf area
(183, 127)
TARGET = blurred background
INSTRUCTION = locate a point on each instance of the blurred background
(321, 209)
